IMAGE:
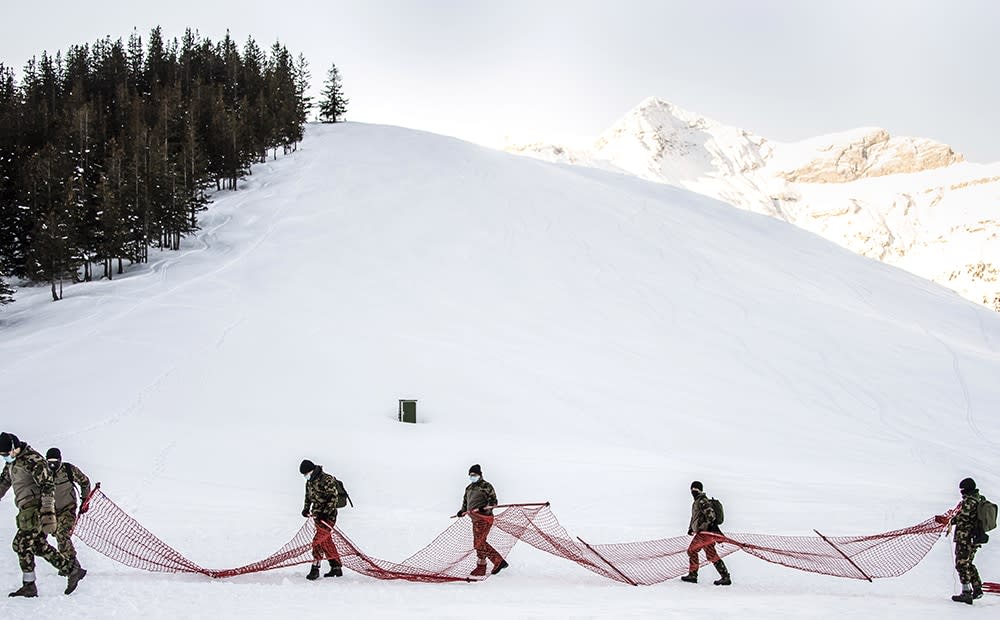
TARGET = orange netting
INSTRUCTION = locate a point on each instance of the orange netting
(452, 555)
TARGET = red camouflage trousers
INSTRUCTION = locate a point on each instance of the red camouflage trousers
(323, 547)
(481, 525)
(697, 544)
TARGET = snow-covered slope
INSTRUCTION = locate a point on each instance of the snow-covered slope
(591, 339)
(910, 202)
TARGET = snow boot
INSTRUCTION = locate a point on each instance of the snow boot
(977, 591)
(499, 567)
(478, 571)
(335, 571)
(27, 590)
(723, 581)
(75, 577)
(313, 573)
(964, 597)
(690, 577)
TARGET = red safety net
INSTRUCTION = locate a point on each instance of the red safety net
(452, 556)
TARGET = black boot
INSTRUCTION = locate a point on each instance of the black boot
(977, 591)
(691, 577)
(27, 590)
(964, 597)
(335, 571)
(723, 579)
(313, 573)
(74, 578)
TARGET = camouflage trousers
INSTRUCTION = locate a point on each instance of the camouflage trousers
(481, 526)
(697, 544)
(965, 553)
(64, 530)
(29, 543)
(323, 546)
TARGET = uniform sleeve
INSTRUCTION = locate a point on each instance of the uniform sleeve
(4, 481)
(966, 517)
(81, 479)
(308, 503)
(43, 478)
(465, 500)
(491, 495)
(329, 489)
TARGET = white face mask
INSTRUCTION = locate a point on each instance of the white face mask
(9, 458)
(473, 478)
(307, 476)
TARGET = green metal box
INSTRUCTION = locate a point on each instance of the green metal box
(408, 411)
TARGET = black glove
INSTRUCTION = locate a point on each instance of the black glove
(482, 511)
(460, 513)
(690, 532)
(305, 512)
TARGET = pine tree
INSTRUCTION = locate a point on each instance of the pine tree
(333, 105)
(6, 293)
(111, 147)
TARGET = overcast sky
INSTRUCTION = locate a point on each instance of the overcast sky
(483, 70)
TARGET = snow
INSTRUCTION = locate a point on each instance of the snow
(910, 202)
(590, 338)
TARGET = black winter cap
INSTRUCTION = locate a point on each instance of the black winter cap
(476, 469)
(697, 485)
(306, 466)
(967, 486)
(53, 453)
(8, 441)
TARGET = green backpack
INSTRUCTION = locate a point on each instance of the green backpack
(343, 497)
(987, 514)
(720, 514)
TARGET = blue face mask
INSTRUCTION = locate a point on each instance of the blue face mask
(473, 478)
(9, 458)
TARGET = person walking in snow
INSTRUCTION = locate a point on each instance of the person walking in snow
(66, 477)
(478, 503)
(34, 495)
(703, 520)
(966, 524)
(321, 501)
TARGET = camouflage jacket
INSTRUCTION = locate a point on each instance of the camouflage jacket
(967, 519)
(477, 495)
(30, 476)
(702, 516)
(321, 495)
(66, 477)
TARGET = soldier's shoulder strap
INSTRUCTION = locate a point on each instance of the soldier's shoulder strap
(69, 471)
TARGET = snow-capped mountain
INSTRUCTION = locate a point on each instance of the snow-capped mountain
(911, 202)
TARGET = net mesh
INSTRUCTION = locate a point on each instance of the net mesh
(453, 554)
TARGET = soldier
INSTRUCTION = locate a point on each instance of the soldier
(966, 524)
(27, 473)
(321, 504)
(703, 520)
(478, 503)
(67, 477)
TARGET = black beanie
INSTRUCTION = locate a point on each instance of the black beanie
(476, 469)
(306, 466)
(967, 486)
(53, 453)
(697, 485)
(8, 441)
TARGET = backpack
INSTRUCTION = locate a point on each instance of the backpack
(343, 497)
(987, 521)
(720, 514)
